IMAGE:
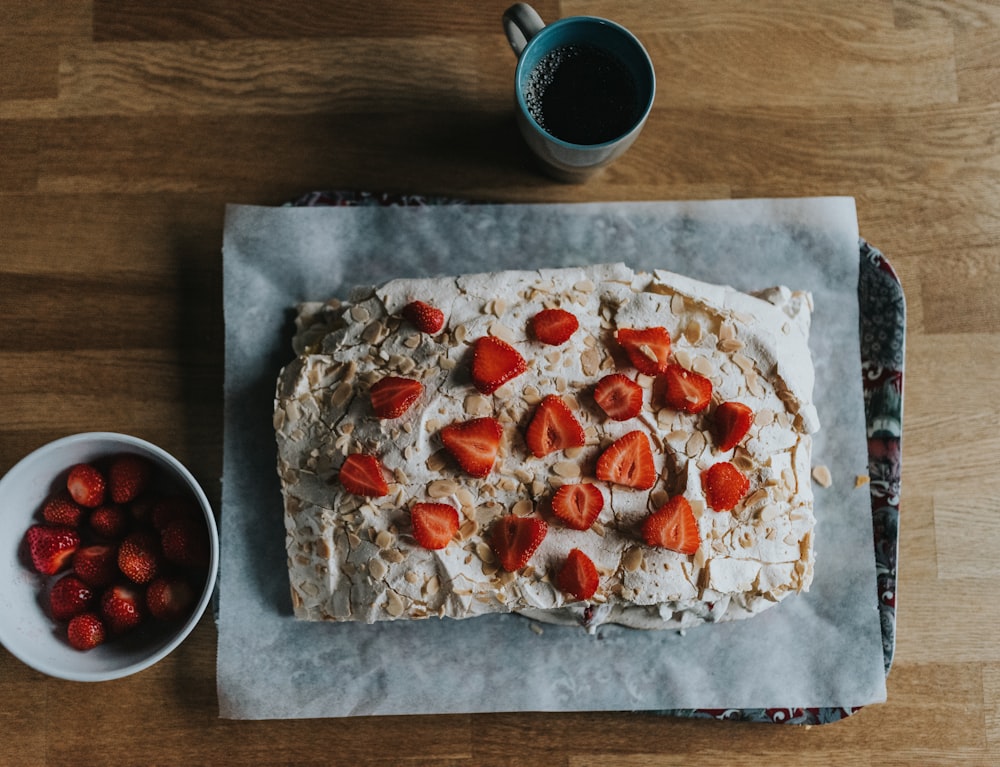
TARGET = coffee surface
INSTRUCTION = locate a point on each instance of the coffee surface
(582, 94)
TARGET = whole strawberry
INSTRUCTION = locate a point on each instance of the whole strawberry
(185, 543)
(170, 508)
(62, 510)
(139, 557)
(122, 607)
(97, 564)
(109, 521)
(85, 631)
(169, 598)
(87, 485)
(70, 596)
(128, 477)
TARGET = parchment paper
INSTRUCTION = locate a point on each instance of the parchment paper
(821, 649)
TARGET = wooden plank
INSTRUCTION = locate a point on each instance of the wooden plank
(134, 20)
(126, 127)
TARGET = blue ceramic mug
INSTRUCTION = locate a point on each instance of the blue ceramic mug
(584, 88)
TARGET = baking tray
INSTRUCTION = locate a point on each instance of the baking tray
(882, 331)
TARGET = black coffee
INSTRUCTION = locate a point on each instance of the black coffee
(582, 94)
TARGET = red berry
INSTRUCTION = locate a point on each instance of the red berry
(579, 505)
(514, 539)
(185, 542)
(554, 326)
(434, 524)
(494, 363)
(128, 477)
(51, 548)
(618, 396)
(166, 510)
(63, 511)
(424, 317)
(85, 632)
(141, 509)
(97, 564)
(686, 390)
(86, 485)
(122, 607)
(578, 576)
(139, 557)
(628, 461)
(730, 424)
(553, 427)
(69, 596)
(362, 474)
(648, 348)
(724, 486)
(169, 598)
(393, 395)
(474, 444)
(109, 521)
(673, 526)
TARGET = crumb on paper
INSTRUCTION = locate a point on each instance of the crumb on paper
(537, 629)
(822, 475)
(861, 480)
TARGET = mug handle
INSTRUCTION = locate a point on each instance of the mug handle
(521, 22)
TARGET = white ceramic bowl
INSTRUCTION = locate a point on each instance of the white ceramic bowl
(25, 628)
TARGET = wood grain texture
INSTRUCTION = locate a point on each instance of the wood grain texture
(126, 126)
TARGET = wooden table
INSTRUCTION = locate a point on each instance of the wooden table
(126, 126)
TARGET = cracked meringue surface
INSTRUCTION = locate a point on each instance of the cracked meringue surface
(354, 558)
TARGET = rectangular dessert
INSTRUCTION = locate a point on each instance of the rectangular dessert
(689, 496)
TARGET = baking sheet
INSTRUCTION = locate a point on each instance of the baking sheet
(819, 649)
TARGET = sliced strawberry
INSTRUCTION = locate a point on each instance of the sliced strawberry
(730, 424)
(122, 607)
(363, 474)
(51, 548)
(474, 444)
(393, 395)
(578, 576)
(61, 510)
(578, 506)
(139, 557)
(494, 363)
(434, 524)
(96, 564)
(86, 485)
(109, 521)
(169, 598)
(424, 317)
(648, 348)
(724, 486)
(514, 539)
(85, 632)
(70, 596)
(128, 477)
(553, 427)
(185, 542)
(618, 396)
(686, 390)
(553, 326)
(673, 527)
(628, 461)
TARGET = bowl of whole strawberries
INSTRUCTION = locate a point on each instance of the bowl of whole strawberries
(108, 556)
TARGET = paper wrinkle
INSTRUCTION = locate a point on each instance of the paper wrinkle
(818, 649)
